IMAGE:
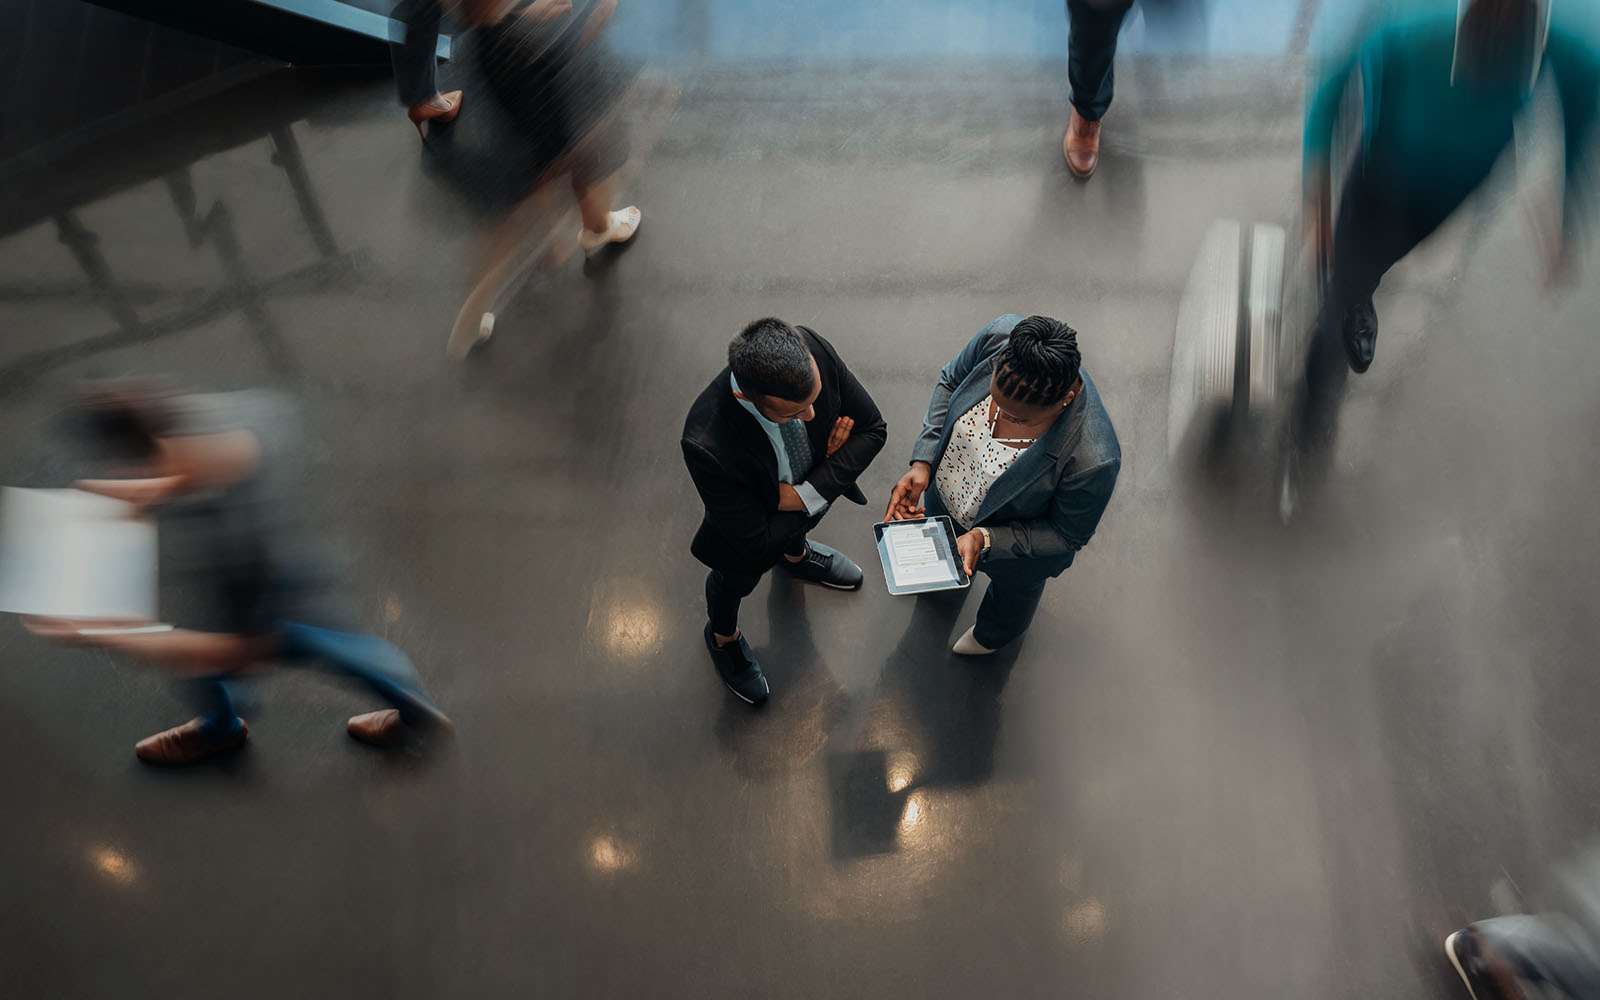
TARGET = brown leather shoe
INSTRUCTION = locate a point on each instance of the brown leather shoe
(186, 744)
(384, 728)
(1081, 146)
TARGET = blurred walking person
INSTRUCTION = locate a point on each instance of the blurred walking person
(216, 470)
(1442, 83)
(546, 66)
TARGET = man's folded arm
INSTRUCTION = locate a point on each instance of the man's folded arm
(738, 515)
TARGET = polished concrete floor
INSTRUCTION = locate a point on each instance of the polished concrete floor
(1231, 760)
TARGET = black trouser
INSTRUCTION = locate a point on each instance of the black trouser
(726, 588)
(416, 67)
(1379, 222)
(1092, 27)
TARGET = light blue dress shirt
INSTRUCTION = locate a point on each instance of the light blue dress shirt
(808, 493)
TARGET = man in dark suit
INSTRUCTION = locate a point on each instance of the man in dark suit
(777, 437)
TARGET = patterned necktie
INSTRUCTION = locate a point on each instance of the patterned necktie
(798, 445)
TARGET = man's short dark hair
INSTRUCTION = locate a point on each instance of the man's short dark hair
(121, 420)
(1040, 362)
(769, 358)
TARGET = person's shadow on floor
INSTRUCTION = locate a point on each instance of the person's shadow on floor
(807, 701)
(933, 722)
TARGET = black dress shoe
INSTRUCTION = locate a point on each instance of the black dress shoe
(1361, 336)
(1466, 953)
(736, 665)
(827, 566)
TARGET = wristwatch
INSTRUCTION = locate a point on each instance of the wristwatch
(988, 540)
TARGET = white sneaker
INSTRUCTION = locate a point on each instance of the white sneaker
(464, 338)
(624, 224)
(967, 645)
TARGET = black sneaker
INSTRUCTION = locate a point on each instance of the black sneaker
(827, 566)
(736, 665)
(1361, 335)
(1465, 953)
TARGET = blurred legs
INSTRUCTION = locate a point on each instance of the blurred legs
(214, 701)
(1092, 28)
(594, 204)
(416, 68)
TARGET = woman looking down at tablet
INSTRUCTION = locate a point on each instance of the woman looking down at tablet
(1018, 452)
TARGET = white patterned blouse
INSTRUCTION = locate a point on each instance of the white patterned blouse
(972, 462)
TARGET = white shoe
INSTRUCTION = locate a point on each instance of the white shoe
(623, 225)
(464, 338)
(967, 645)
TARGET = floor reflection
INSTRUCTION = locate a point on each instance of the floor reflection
(932, 725)
(143, 314)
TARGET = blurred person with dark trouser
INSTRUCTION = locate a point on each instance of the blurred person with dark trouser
(1018, 451)
(1541, 957)
(1092, 28)
(546, 65)
(416, 64)
(1442, 83)
(215, 470)
(772, 442)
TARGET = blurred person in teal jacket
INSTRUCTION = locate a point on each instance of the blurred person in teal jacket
(1442, 82)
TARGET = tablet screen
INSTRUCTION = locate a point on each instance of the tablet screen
(919, 554)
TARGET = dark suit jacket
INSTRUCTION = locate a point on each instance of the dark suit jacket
(733, 465)
(1044, 508)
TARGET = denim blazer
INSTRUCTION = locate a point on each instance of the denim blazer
(1045, 507)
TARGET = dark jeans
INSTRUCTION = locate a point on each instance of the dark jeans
(1379, 223)
(726, 588)
(1009, 604)
(416, 68)
(1015, 587)
(372, 662)
(1092, 27)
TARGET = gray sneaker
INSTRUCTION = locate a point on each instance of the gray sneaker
(827, 566)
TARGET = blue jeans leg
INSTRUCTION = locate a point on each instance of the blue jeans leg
(1008, 607)
(372, 662)
(214, 701)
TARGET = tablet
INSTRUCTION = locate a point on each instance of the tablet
(920, 555)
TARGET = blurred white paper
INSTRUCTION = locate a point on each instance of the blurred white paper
(71, 554)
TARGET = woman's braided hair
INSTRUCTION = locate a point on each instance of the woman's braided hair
(1040, 362)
